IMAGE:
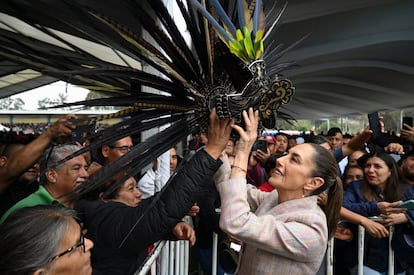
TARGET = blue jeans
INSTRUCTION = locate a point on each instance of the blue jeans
(204, 258)
(369, 271)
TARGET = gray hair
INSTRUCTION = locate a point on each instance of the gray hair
(55, 154)
(30, 237)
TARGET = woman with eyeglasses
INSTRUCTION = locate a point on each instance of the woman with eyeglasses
(122, 232)
(44, 240)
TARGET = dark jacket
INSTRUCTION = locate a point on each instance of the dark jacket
(109, 223)
(376, 249)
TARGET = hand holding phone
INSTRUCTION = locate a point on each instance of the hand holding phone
(262, 145)
(407, 204)
(408, 121)
(374, 124)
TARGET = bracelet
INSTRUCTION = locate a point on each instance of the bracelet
(243, 170)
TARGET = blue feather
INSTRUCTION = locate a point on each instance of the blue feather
(223, 15)
(256, 16)
(240, 13)
(212, 20)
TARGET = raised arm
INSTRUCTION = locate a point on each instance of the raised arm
(26, 157)
(357, 142)
(160, 213)
(245, 143)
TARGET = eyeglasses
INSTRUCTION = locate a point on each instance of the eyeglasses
(122, 149)
(80, 243)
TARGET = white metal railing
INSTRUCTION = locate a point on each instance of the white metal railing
(361, 241)
(175, 256)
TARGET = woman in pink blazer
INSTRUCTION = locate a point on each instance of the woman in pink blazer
(284, 231)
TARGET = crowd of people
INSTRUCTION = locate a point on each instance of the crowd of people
(280, 197)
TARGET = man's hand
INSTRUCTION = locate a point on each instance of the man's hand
(183, 231)
(219, 132)
(61, 128)
(394, 148)
(343, 233)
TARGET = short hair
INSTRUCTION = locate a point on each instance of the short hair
(333, 131)
(282, 134)
(31, 236)
(53, 155)
(349, 136)
(319, 139)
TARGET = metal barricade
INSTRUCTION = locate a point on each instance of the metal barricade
(168, 257)
(177, 255)
(361, 240)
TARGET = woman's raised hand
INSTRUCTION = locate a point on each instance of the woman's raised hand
(248, 136)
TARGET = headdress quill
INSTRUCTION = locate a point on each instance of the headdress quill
(222, 57)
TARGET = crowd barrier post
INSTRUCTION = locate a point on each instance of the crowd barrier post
(361, 240)
(151, 259)
(214, 254)
(330, 256)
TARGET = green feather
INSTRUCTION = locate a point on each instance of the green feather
(248, 44)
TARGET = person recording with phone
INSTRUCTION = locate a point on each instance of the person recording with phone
(407, 132)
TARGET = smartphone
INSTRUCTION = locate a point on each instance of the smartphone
(85, 126)
(374, 124)
(262, 145)
(407, 204)
(407, 120)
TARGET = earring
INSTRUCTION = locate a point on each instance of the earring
(303, 191)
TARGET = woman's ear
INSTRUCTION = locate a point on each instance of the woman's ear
(40, 271)
(313, 184)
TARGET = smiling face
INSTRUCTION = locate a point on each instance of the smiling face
(377, 172)
(75, 262)
(293, 174)
(66, 178)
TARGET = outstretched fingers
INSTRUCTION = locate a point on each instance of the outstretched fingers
(248, 136)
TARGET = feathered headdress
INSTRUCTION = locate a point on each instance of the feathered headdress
(221, 57)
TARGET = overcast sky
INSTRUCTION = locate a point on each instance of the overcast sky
(51, 91)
